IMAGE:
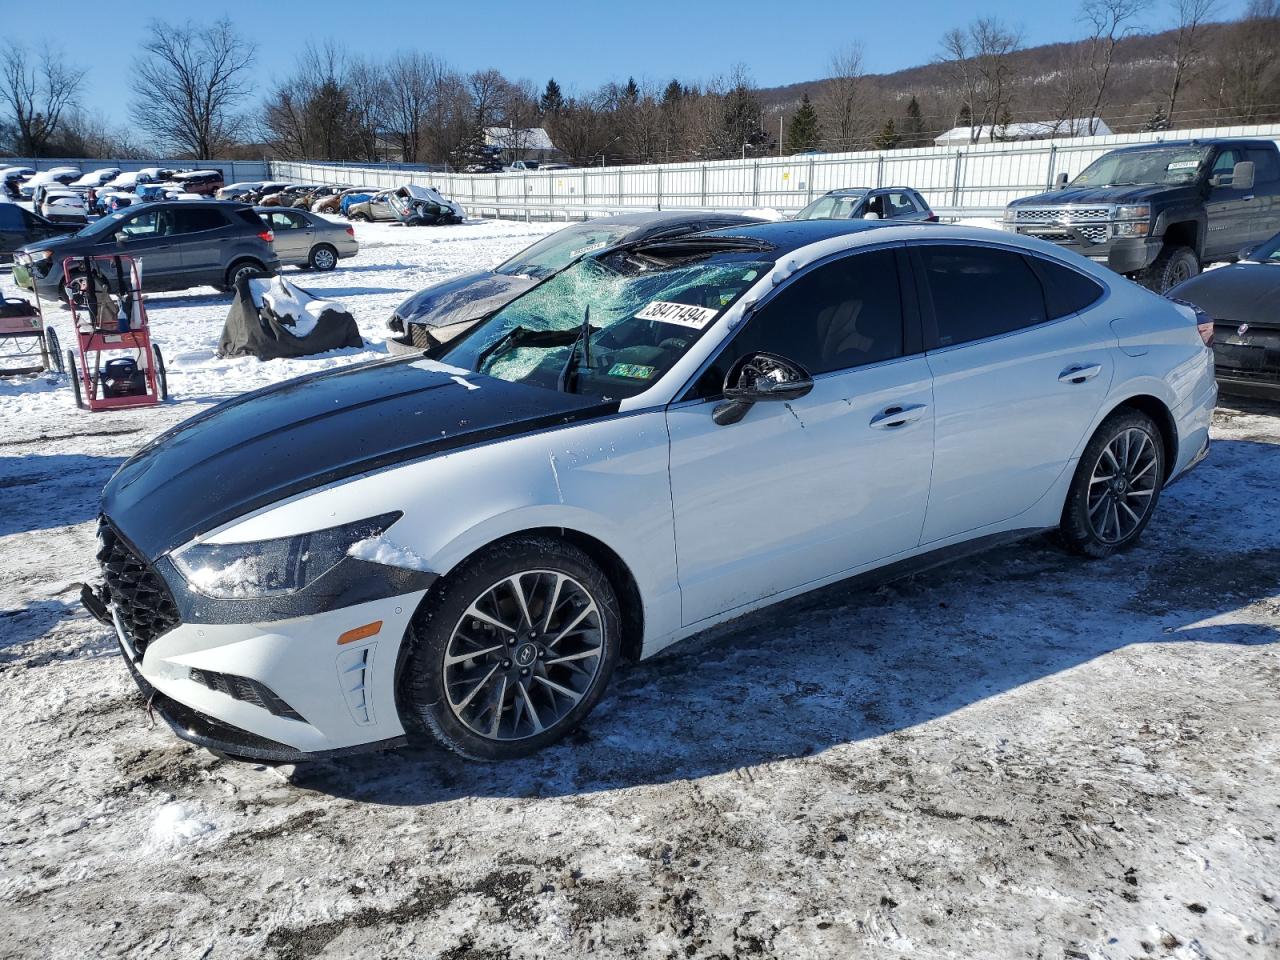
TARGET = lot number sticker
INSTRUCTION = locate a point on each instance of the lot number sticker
(683, 314)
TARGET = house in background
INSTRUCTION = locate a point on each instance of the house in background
(1025, 130)
(521, 143)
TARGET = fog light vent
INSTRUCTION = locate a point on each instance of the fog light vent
(247, 691)
(355, 674)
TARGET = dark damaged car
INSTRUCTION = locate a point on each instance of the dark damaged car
(443, 310)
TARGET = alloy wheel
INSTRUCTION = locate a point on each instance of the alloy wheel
(1123, 485)
(323, 259)
(523, 655)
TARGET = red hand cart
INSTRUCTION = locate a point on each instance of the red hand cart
(24, 338)
(110, 317)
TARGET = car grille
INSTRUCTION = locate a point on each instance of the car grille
(144, 603)
(1072, 215)
(247, 691)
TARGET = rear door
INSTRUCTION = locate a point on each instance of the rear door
(1266, 193)
(202, 232)
(1018, 377)
(293, 234)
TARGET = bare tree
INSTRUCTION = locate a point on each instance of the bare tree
(842, 100)
(1187, 47)
(979, 59)
(189, 84)
(1111, 21)
(1249, 63)
(37, 93)
(409, 82)
(367, 89)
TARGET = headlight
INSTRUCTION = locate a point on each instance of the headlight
(1139, 212)
(271, 568)
(1131, 228)
(1010, 215)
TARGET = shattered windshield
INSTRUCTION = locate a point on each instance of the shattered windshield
(645, 308)
(832, 208)
(563, 247)
(1167, 165)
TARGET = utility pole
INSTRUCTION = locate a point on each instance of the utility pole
(779, 133)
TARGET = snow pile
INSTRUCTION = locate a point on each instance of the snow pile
(175, 825)
(298, 310)
(237, 580)
(381, 550)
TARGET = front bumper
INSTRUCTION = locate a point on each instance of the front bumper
(1247, 363)
(1121, 254)
(302, 676)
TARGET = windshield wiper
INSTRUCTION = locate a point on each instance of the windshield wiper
(571, 362)
(512, 334)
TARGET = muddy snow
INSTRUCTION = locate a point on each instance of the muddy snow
(1025, 755)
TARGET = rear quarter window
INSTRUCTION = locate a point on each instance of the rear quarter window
(979, 292)
(1066, 291)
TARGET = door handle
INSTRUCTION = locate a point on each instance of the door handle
(1249, 197)
(1080, 372)
(898, 415)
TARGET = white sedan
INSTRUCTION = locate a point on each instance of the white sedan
(663, 436)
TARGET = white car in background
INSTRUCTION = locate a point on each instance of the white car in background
(660, 437)
(95, 178)
(61, 205)
(58, 175)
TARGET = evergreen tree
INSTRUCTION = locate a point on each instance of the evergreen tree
(887, 138)
(552, 99)
(965, 117)
(1001, 129)
(1157, 121)
(804, 131)
(631, 92)
(673, 92)
(913, 126)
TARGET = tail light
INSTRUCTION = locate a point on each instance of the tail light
(351, 231)
(1204, 323)
(267, 236)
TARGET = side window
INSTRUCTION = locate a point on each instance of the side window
(1226, 161)
(1066, 291)
(1266, 165)
(843, 314)
(281, 221)
(900, 204)
(149, 223)
(980, 292)
(196, 219)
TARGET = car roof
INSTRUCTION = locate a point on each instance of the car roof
(787, 235)
(1208, 142)
(659, 218)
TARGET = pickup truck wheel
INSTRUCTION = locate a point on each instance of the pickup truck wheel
(1174, 265)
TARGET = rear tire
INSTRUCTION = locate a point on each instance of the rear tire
(544, 644)
(1174, 265)
(244, 268)
(1116, 486)
(53, 349)
(359, 217)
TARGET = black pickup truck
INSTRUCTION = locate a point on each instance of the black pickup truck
(1158, 213)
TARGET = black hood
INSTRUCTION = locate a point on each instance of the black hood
(274, 443)
(1240, 293)
(468, 297)
(1137, 194)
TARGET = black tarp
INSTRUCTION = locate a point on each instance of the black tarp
(283, 325)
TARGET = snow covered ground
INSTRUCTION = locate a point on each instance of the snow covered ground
(1025, 755)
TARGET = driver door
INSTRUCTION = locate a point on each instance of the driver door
(806, 490)
(148, 237)
(1230, 210)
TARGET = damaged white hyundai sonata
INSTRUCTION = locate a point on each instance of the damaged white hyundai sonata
(660, 437)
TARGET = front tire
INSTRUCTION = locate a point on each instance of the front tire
(1116, 486)
(323, 257)
(513, 652)
(1174, 265)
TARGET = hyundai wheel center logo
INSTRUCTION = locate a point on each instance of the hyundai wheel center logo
(526, 654)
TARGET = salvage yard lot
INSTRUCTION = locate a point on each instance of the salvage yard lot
(1023, 755)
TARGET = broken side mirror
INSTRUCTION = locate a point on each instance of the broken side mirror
(1060, 182)
(758, 377)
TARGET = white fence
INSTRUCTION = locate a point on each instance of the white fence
(973, 179)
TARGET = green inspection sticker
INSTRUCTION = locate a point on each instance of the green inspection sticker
(633, 371)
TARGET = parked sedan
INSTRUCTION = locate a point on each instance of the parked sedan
(659, 438)
(443, 310)
(305, 239)
(867, 203)
(1243, 301)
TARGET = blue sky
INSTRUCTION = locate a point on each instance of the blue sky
(581, 44)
